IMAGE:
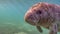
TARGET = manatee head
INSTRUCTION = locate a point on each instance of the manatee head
(37, 14)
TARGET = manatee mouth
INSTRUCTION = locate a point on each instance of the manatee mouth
(38, 23)
(34, 23)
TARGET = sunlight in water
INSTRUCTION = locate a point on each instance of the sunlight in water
(12, 16)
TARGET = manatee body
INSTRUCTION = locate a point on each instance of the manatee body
(45, 15)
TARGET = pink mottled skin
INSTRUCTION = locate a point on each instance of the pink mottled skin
(45, 15)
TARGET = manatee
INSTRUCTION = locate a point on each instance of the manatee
(44, 14)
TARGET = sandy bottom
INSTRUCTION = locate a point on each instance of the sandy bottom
(10, 28)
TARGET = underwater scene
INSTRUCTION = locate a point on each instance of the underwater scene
(12, 16)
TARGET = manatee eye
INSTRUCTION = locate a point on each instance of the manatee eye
(38, 12)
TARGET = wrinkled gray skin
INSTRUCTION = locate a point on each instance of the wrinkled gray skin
(45, 15)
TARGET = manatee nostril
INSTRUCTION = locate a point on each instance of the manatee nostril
(38, 12)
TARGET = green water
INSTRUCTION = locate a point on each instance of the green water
(12, 16)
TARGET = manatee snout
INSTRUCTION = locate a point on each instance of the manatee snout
(32, 18)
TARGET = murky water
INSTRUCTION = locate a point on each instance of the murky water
(12, 16)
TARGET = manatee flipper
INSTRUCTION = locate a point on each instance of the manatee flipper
(53, 29)
(39, 29)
